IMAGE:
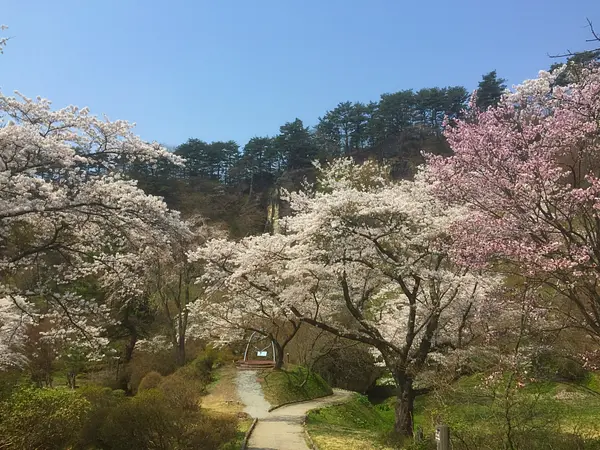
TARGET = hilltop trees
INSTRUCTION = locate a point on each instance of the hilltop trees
(490, 90)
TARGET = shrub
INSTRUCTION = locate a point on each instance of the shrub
(351, 368)
(34, 418)
(150, 381)
(9, 381)
(142, 363)
(100, 396)
(103, 401)
(209, 433)
(145, 421)
(181, 393)
(202, 366)
(554, 366)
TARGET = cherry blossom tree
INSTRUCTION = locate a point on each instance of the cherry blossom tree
(381, 248)
(170, 278)
(363, 258)
(529, 173)
(67, 213)
(3, 40)
(250, 290)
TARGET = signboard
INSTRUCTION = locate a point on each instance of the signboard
(261, 353)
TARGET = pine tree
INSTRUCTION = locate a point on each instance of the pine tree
(490, 90)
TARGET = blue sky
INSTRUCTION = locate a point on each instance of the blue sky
(220, 69)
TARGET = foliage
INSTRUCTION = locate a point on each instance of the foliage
(529, 174)
(144, 421)
(364, 258)
(545, 415)
(9, 381)
(489, 90)
(155, 419)
(150, 381)
(203, 365)
(181, 393)
(499, 414)
(34, 418)
(292, 385)
(352, 368)
(142, 363)
(353, 424)
(68, 214)
(551, 365)
(209, 433)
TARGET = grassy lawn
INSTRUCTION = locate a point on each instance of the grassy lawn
(284, 386)
(355, 424)
(545, 416)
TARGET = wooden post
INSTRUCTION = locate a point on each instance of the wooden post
(442, 437)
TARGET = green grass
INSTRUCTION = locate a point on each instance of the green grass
(546, 415)
(285, 386)
(236, 443)
(355, 424)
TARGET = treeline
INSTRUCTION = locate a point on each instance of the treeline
(224, 181)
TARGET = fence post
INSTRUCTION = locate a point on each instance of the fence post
(442, 437)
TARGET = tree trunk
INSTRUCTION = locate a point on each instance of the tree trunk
(130, 346)
(405, 400)
(71, 379)
(278, 355)
(181, 351)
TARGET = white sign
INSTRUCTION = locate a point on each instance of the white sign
(261, 353)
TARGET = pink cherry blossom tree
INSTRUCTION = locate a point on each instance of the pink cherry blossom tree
(529, 173)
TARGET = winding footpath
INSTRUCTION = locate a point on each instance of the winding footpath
(282, 428)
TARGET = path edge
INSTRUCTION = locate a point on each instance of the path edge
(307, 436)
(273, 408)
(248, 434)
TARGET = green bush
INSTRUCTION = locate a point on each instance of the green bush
(181, 393)
(34, 418)
(142, 363)
(201, 368)
(99, 396)
(145, 421)
(209, 433)
(103, 401)
(155, 419)
(550, 365)
(150, 381)
(9, 381)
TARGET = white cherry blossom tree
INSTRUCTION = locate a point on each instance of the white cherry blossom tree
(249, 289)
(67, 212)
(383, 247)
(364, 258)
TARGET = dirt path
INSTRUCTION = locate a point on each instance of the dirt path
(282, 428)
(251, 394)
